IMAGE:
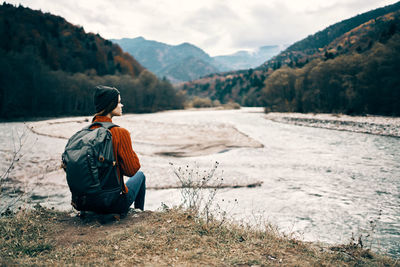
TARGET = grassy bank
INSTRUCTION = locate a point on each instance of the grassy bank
(169, 237)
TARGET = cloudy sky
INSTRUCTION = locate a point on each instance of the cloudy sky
(217, 26)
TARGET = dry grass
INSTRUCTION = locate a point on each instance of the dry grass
(169, 237)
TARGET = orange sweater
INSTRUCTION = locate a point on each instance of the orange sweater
(127, 160)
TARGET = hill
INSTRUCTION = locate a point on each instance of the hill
(246, 59)
(317, 45)
(49, 67)
(357, 73)
(61, 45)
(358, 40)
(188, 69)
(186, 62)
(177, 63)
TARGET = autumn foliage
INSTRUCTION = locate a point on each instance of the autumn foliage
(48, 67)
(350, 67)
(364, 80)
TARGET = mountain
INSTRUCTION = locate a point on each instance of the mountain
(245, 59)
(177, 63)
(49, 67)
(187, 69)
(330, 71)
(315, 46)
(357, 73)
(186, 62)
(61, 45)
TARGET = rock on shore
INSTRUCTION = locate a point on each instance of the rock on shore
(379, 125)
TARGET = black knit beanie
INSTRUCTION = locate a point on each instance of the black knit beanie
(105, 97)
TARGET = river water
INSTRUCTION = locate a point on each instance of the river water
(318, 184)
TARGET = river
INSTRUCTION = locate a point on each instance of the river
(317, 184)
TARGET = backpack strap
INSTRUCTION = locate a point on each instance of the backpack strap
(110, 125)
(107, 125)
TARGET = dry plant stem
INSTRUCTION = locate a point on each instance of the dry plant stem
(198, 189)
(15, 155)
(19, 141)
(365, 237)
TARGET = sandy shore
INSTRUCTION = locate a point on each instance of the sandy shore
(157, 142)
(379, 125)
(173, 139)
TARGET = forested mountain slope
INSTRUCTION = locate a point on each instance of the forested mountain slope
(177, 63)
(186, 62)
(48, 67)
(356, 73)
(319, 45)
(370, 48)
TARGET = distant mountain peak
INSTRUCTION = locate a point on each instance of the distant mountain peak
(187, 44)
(171, 61)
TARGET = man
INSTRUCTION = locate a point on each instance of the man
(107, 101)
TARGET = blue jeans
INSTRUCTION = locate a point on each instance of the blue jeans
(137, 190)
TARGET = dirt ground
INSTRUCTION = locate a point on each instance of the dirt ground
(165, 238)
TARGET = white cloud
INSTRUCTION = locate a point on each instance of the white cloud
(217, 26)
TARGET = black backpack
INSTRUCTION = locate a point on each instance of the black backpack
(89, 163)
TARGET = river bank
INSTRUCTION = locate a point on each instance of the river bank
(162, 238)
(320, 184)
(379, 125)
